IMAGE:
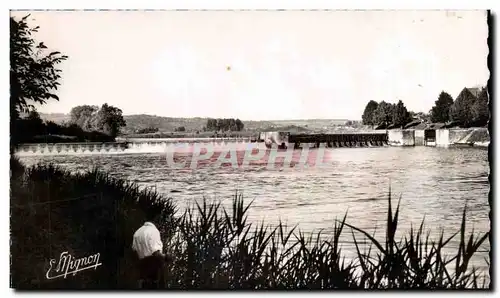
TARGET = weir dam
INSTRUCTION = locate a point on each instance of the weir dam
(124, 146)
(264, 140)
(280, 140)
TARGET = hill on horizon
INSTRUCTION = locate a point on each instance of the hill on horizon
(169, 124)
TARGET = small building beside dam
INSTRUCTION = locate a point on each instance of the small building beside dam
(401, 137)
(478, 136)
(392, 137)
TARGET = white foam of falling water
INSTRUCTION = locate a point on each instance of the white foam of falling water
(138, 147)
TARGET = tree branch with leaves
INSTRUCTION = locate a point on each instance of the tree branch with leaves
(33, 73)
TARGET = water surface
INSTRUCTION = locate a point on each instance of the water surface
(431, 182)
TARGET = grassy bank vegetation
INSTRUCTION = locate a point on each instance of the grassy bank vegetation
(53, 211)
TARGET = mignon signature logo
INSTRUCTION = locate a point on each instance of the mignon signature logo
(68, 265)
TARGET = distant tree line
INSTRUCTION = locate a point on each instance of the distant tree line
(224, 125)
(467, 110)
(156, 129)
(147, 130)
(180, 129)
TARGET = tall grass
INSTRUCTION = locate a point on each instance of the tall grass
(53, 211)
(214, 247)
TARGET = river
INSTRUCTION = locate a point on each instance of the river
(432, 182)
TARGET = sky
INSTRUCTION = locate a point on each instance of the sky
(262, 65)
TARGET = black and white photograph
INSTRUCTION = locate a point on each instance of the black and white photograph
(179, 150)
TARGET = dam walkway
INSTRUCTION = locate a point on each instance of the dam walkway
(332, 140)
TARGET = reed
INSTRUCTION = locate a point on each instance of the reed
(214, 247)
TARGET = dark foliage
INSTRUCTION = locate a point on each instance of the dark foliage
(440, 112)
(461, 111)
(384, 113)
(53, 211)
(480, 109)
(84, 116)
(370, 108)
(468, 110)
(180, 129)
(400, 115)
(147, 130)
(33, 73)
(213, 248)
(107, 119)
(224, 125)
(33, 130)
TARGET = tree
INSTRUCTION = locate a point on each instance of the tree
(150, 129)
(239, 125)
(400, 115)
(83, 116)
(480, 110)
(33, 73)
(180, 128)
(211, 124)
(220, 124)
(224, 124)
(232, 125)
(383, 114)
(109, 120)
(440, 112)
(461, 110)
(370, 108)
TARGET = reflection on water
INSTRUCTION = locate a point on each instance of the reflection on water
(432, 182)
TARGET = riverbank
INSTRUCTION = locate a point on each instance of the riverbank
(53, 211)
